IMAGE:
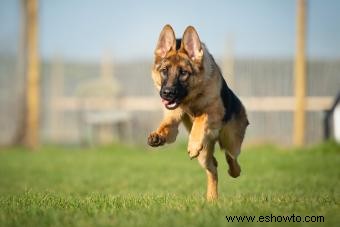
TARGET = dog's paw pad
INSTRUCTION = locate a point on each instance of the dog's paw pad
(155, 140)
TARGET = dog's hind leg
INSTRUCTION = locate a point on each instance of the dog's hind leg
(230, 139)
(234, 167)
(207, 160)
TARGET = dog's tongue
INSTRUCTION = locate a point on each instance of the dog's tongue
(165, 102)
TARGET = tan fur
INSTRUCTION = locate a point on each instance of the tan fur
(201, 111)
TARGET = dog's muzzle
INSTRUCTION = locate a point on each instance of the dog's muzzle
(169, 97)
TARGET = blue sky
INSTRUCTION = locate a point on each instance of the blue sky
(86, 29)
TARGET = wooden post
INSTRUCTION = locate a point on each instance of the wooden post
(106, 66)
(228, 63)
(31, 136)
(300, 77)
(57, 88)
(105, 132)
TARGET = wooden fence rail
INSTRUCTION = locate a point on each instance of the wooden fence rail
(264, 104)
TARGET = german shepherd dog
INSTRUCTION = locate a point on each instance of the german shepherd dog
(193, 91)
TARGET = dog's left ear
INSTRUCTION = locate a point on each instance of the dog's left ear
(166, 41)
(191, 43)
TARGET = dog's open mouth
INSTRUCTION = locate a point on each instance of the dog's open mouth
(171, 105)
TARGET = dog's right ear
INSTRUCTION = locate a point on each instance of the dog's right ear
(166, 42)
(191, 44)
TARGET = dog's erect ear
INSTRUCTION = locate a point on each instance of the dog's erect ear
(166, 41)
(191, 44)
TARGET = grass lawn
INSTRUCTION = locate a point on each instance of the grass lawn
(129, 186)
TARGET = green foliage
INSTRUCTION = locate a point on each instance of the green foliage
(135, 186)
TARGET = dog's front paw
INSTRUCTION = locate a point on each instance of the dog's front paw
(194, 149)
(155, 140)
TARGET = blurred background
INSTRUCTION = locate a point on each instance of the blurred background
(79, 72)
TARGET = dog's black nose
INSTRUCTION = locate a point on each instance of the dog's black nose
(168, 92)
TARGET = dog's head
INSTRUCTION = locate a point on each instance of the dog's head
(178, 65)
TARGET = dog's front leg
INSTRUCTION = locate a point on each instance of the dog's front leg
(203, 131)
(207, 160)
(168, 129)
(202, 139)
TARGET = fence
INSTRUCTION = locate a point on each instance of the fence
(264, 85)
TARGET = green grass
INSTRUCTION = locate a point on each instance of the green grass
(127, 186)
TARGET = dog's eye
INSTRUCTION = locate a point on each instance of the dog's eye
(183, 72)
(164, 72)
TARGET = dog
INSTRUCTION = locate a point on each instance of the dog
(194, 92)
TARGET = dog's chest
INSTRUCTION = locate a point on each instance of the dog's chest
(192, 110)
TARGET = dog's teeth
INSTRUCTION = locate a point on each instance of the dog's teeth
(172, 105)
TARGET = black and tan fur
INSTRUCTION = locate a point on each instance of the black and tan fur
(194, 92)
